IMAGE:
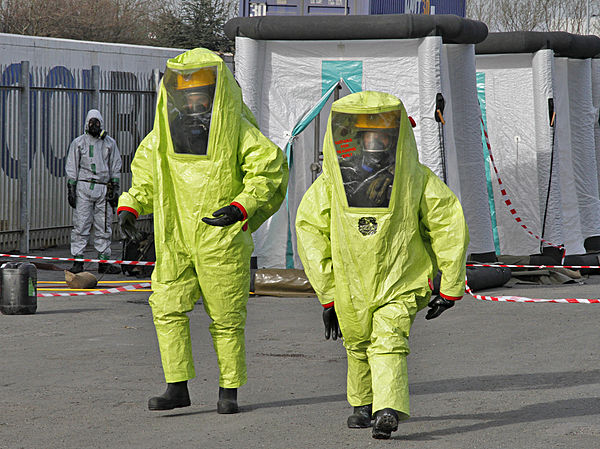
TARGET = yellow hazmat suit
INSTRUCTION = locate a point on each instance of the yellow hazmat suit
(376, 261)
(196, 160)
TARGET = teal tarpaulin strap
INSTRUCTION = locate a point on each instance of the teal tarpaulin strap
(486, 157)
(306, 119)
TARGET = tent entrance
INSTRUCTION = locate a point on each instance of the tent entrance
(309, 132)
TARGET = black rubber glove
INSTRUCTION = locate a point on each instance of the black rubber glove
(332, 327)
(225, 216)
(72, 195)
(437, 306)
(127, 225)
(112, 194)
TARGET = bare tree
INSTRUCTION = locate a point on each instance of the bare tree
(195, 23)
(125, 21)
(484, 11)
(518, 15)
(535, 15)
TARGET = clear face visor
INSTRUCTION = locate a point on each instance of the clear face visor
(197, 102)
(365, 146)
(190, 98)
(377, 141)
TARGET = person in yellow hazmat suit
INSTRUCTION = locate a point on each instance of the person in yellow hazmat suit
(373, 230)
(210, 178)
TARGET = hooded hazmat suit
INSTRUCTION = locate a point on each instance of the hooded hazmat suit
(376, 261)
(219, 158)
(92, 162)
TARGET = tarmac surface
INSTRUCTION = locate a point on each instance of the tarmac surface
(78, 374)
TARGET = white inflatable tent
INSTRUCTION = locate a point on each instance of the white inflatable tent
(596, 106)
(548, 169)
(290, 67)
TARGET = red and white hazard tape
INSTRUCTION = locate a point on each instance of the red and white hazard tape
(540, 267)
(101, 291)
(70, 259)
(507, 200)
(523, 299)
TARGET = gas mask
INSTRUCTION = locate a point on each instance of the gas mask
(94, 128)
(378, 148)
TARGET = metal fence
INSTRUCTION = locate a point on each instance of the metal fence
(41, 111)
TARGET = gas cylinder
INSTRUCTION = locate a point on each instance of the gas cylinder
(18, 288)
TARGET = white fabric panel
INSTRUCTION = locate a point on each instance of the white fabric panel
(430, 83)
(453, 179)
(582, 145)
(596, 105)
(562, 143)
(550, 205)
(270, 240)
(463, 115)
(511, 129)
(249, 71)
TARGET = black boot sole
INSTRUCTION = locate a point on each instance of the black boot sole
(384, 426)
(109, 270)
(358, 422)
(225, 407)
(157, 404)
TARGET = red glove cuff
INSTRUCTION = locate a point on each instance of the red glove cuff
(240, 207)
(328, 305)
(128, 209)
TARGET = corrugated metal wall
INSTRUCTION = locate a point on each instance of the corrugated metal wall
(387, 7)
(249, 8)
(58, 103)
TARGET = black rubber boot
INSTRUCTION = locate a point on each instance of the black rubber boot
(176, 396)
(108, 268)
(227, 403)
(361, 418)
(76, 268)
(386, 422)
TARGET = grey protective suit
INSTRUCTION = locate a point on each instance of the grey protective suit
(91, 163)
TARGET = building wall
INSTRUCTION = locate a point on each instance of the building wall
(249, 8)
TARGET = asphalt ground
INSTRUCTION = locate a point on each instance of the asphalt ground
(78, 374)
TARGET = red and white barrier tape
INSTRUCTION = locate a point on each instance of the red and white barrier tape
(541, 267)
(70, 259)
(523, 299)
(101, 291)
(507, 200)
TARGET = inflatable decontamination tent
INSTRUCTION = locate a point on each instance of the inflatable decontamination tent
(535, 92)
(292, 68)
(596, 105)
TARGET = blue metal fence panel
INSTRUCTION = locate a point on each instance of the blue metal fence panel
(249, 8)
(335, 7)
(387, 7)
(456, 7)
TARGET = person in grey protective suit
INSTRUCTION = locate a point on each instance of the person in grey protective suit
(93, 170)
